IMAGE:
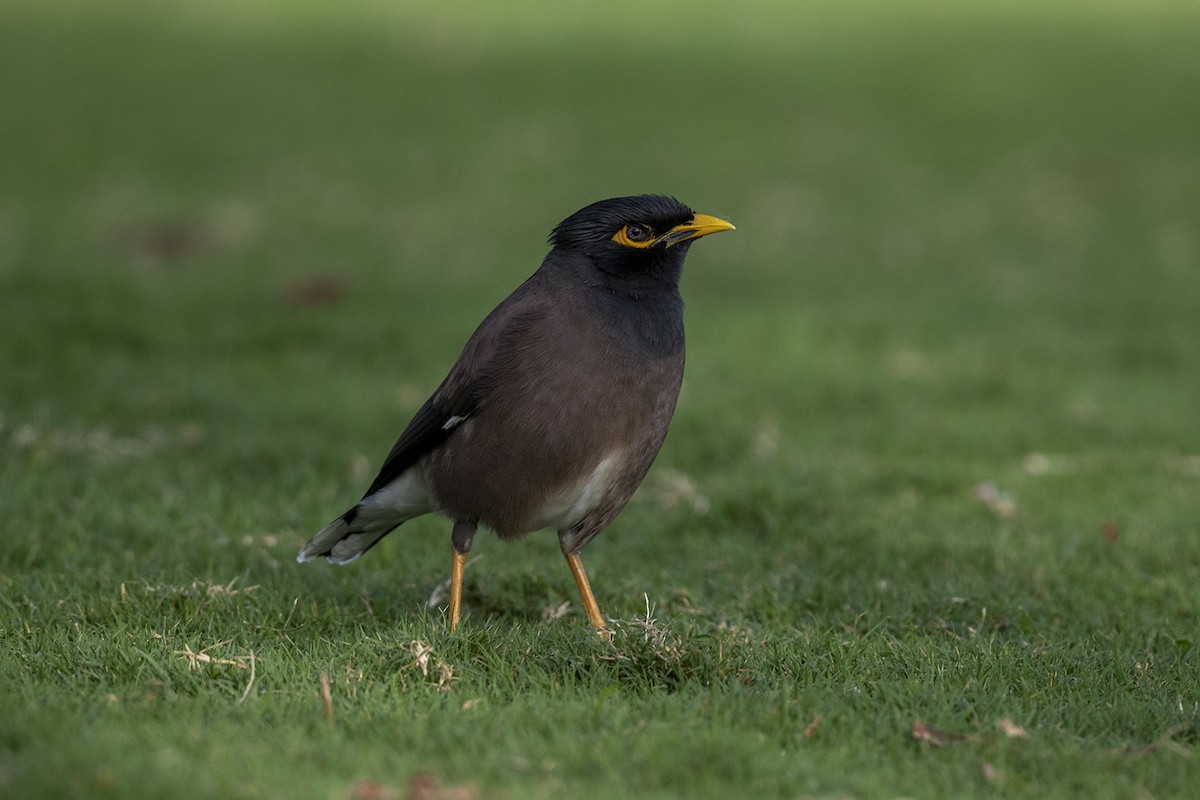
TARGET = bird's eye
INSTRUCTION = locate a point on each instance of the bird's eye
(638, 233)
(635, 234)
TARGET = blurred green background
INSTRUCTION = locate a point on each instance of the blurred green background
(240, 242)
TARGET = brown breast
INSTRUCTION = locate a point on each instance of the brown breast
(570, 426)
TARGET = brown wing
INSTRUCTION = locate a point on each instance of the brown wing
(465, 388)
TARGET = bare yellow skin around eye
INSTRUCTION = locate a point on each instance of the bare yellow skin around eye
(622, 237)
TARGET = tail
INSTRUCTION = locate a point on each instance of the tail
(346, 538)
(375, 516)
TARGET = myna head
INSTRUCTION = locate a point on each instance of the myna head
(645, 236)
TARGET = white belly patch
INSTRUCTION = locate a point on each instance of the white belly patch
(571, 506)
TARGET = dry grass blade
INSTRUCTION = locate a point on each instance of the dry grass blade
(421, 652)
(938, 738)
(438, 595)
(326, 696)
(425, 661)
(249, 683)
(551, 613)
(442, 591)
(1011, 729)
(222, 590)
(197, 658)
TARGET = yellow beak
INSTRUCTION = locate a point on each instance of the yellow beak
(700, 225)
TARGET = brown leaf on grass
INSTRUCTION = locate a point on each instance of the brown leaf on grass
(990, 773)
(372, 790)
(1011, 729)
(1166, 741)
(810, 730)
(1131, 750)
(999, 502)
(190, 434)
(1110, 532)
(166, 239)
(923, 733)
(425, 786)
(315, 291)
(422, 786)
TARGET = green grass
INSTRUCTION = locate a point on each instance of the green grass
(967, 252)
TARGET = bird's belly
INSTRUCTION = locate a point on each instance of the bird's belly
(568, 506)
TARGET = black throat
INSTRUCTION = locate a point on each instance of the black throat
(647, 321)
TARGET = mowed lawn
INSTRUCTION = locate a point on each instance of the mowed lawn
(928, 520)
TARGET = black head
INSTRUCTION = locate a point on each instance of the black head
(645, 235)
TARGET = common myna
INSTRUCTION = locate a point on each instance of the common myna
(559, 402)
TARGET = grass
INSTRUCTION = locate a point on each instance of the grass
(937, 458)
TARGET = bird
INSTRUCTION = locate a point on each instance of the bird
(558, 404)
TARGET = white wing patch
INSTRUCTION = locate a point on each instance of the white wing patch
(452, 423)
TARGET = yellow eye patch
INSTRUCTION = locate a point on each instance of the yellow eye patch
(635, 235)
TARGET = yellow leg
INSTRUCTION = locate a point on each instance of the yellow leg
(457, 568)
(585, 592)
